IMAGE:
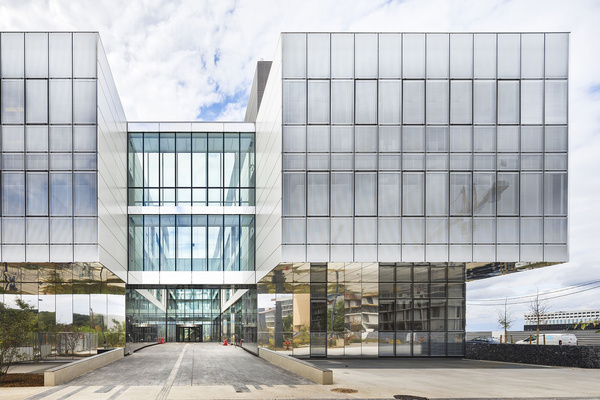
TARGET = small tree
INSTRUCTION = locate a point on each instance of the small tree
(15, 328)
(538, 309)
(505, 320)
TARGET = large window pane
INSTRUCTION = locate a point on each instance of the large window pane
(413, 102)
(318, 194)
(365, 58)
(36, 55)
(318, 55)
(13, 101)
(86, 198)
(460, 193)
(84, 138)
(184, 243)
(412, 193)
(318, 102)
(294, 102)
(84, 101)
(342, 55)
(247, 160)
(60, 54)
(532, 55)
(61, 105)
(390, 55)
(61, 193)
(507, 193)
(484, 192)
(389, 194)
(390, 99)
(84, 55)
(366, 194)
(199, 160)
(366, 102)
(437, 55)
(508, 102)
(247, 243)
(215, 243)
(437, 194)
(151, 242)
(342, 102)
(199, 242)
(36, 138)
(413, 55)
(136, 241)
(293, 194)
(294, 55)
(555, 194)
(13, 55)
(13, 194)
(556, 102)
(215, 160)
(557, 55)
(484, 102)
(532, 102)
(231, 241)
(437, 102)
(342, 194)
(37, 101)
(461, 55)
(461, 102)
(37, 193)
(508, 55)
(484, 55)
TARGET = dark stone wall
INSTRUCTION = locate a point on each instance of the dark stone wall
(561, 356)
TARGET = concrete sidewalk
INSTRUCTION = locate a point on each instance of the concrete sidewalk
(211, 371)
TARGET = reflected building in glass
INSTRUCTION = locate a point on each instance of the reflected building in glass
(374, 174)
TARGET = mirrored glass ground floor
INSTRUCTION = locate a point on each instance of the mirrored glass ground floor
(305, 310)
(76, 307)
(363, 310)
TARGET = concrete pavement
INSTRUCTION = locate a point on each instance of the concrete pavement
(177, 371)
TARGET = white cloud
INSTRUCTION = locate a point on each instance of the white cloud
(193, 59)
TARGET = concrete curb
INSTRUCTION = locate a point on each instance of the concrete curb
(64, 373)
(316, 374)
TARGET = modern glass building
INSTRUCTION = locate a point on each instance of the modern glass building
(374, 174)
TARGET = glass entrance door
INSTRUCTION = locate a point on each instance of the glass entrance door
(189, 333)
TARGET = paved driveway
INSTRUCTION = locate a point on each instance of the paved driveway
(195, 364)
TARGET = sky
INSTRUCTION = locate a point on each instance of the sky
(194, 59)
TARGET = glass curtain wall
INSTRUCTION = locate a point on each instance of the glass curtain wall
(240, 322)
(191, 243)
(77, 306)
(434, 147)
(191, 169)
(363, 309)
(49, 160)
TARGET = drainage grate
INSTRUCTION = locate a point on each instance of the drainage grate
(344, 390)
(409, 397)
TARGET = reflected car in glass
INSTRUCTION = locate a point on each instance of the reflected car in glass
(484, 339)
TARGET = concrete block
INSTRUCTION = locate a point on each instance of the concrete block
(309, 371)
(64, 373)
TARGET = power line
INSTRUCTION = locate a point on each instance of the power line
(527, 302)
(542, 293)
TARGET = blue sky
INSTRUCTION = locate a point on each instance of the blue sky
(195, 60)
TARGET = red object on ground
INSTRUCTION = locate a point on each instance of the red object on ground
(161, 340)
(225, 342)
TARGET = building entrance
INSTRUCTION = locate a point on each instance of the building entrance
(189, 333)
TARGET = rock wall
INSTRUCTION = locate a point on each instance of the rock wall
(561, 356)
